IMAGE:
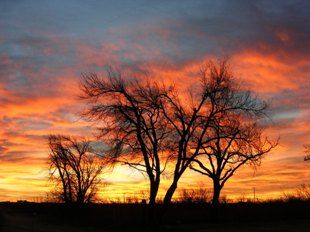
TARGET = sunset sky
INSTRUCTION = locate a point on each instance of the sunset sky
(45, 46)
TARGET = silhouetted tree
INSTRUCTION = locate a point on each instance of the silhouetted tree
(194, 119)
(75, 168)
(238, 140)
(131, 123)
(307, 152)
(147, 119)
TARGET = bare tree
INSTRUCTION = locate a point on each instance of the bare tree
(238, 140)
(75, 168)
(148, 119)
(307, 152)
(132, 123)
(218, 94)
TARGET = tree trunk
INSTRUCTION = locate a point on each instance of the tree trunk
(215, 199)
(170, 192)
(154, 185)
(152, 219)
(216, 193)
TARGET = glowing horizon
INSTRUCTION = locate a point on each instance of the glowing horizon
(45, 47)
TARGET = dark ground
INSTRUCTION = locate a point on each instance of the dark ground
(259, 217)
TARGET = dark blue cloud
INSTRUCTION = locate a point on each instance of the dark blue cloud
(180, 30)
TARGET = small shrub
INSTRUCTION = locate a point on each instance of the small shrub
(200, 195)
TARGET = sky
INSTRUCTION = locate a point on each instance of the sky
(45, 47)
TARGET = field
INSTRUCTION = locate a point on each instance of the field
(259, 217)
